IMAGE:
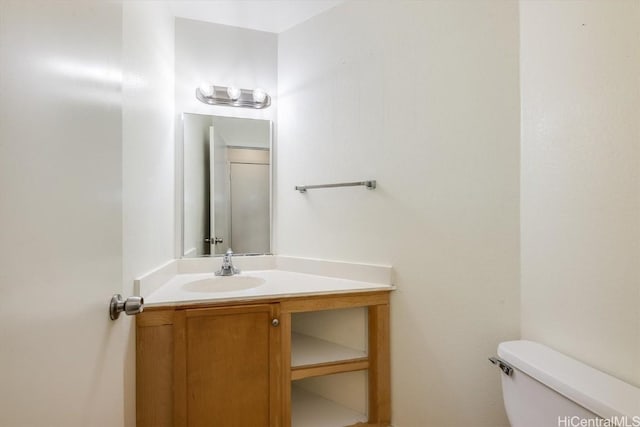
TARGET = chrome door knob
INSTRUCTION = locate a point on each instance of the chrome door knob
(131, 306)
(275, 322)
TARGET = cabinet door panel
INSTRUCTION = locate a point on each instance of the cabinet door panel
(228, 366)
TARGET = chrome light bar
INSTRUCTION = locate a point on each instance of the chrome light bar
(233, 97)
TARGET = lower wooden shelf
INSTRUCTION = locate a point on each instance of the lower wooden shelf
(310, 410)
(312, 357)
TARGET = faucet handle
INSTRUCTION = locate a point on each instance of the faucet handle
(229, 252)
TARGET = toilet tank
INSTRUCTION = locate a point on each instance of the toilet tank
(549, 389)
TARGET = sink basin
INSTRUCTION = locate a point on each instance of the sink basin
(223, 284)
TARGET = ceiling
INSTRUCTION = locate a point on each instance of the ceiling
(274, 16)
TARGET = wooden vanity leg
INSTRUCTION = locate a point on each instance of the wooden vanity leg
(379, 362)
(285, 324)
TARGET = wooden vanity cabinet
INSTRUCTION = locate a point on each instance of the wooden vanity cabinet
(227, 368)
(211, 367)
(230, 365)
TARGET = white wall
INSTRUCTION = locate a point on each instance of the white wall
(148, 154)
(423, 97)
(61, 358)
(580, 64)
(148, 132)
(224, 56)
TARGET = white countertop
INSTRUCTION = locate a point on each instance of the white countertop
(277, 283)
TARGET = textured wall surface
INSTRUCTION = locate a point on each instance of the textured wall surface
(580, 63)
(423, 97)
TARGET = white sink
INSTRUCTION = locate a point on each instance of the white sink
(223, 284)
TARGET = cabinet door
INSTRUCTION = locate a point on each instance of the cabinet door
(229, 369)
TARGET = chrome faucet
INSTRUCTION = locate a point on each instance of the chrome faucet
(227, 268)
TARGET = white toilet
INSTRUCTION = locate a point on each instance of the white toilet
(544, 388)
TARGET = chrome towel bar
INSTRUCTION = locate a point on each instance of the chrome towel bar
(371, 184)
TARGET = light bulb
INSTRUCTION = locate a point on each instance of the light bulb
(206, 89)
(234, 93)
(259, 95)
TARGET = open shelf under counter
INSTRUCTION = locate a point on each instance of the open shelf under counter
(310, 410)
(311, 356)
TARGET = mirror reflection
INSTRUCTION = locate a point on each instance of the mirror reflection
(227, 194)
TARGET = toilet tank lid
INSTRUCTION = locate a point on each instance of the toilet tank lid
(596, 391)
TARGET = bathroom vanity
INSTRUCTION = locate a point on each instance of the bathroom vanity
(204, 358)
(289, 341)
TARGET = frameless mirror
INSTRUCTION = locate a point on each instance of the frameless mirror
(227, 191)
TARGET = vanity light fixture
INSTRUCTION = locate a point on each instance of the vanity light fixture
(233, 96)
(233, 93)
(206, 89)
(259, 95)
